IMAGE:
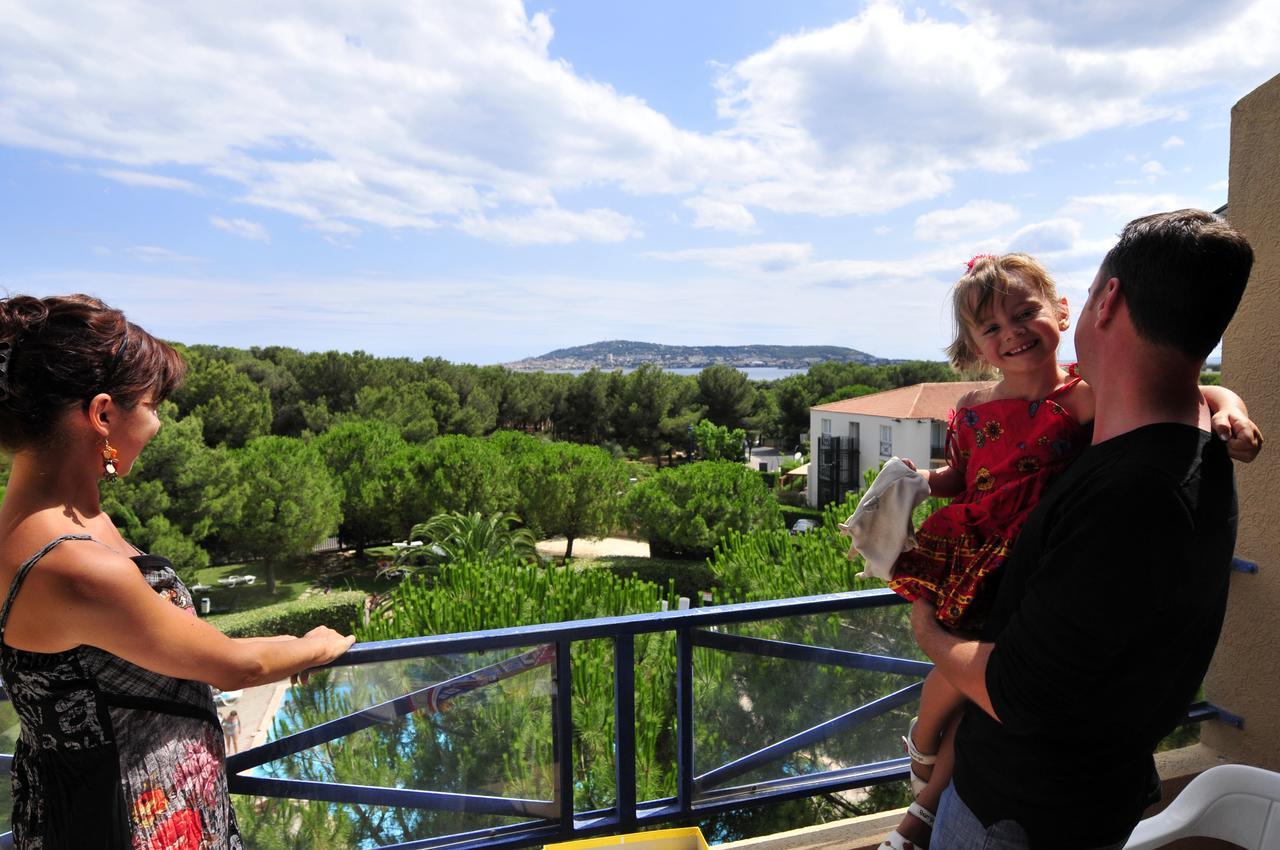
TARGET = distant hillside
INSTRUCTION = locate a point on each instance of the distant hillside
(626, 354)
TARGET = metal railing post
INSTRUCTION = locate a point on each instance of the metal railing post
(562, 730)
(624, 721)
(684, 718)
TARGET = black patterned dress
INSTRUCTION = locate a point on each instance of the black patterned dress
(111, 755)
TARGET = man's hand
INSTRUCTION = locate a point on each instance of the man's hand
(1242, 435)
(924, 620)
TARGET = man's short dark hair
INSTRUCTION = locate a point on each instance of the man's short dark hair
(1182, 274)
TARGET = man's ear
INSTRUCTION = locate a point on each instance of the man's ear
(1109, 299)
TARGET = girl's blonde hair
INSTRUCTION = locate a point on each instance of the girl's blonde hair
(971, 298)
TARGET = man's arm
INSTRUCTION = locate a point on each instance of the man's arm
(963, 662)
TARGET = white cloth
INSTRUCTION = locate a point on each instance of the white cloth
(881, 526)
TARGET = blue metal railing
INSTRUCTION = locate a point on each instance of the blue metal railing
(555, 819)
(697, 795)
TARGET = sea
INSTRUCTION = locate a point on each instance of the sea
(754, 373)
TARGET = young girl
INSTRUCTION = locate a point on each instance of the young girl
(1006, 444)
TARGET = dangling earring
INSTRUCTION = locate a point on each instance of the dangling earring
(109, 456)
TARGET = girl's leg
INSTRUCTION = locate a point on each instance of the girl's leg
(940, 703)
(940, 706)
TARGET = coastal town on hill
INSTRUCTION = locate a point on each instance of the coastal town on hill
(626, 354)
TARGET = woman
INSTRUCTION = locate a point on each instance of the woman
(104, 660)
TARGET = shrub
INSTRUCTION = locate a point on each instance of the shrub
(342, 611)
(688, 577)
(689, 509)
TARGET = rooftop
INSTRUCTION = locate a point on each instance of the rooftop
(918, 401)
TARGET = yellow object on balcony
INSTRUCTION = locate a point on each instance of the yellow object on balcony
(687, 838)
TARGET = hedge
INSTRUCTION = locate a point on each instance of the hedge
(341, 611)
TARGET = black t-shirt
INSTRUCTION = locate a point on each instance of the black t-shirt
(1104, 622)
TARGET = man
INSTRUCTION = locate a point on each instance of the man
(1110, 604)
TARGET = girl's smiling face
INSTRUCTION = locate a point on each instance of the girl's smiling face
(1021, 330)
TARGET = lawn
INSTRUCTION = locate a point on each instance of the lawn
(342, 571)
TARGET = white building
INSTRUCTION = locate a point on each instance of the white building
(849, 437)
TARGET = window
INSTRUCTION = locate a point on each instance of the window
(826, 427)
(853, 436)
(886, 441)
(937, 440)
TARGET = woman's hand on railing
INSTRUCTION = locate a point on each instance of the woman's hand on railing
(331, 645)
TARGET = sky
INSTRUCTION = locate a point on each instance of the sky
(490, 180)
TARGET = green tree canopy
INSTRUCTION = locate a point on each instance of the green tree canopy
(726, 394)
(368, 462)
(453, 474)
(232, 408)
(418, 409)
(716, 442)
(292, 501)
(691, 508)
(569, 489)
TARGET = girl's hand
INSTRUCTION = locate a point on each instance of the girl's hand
(1241, 434)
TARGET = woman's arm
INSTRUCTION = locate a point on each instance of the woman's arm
(106, 603)
(1231, 422)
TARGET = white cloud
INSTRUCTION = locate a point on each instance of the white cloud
(153, 181)
(881, 230)
(1173, 142)
(1153, 169)
(241, 227)
(770, 257)
(881, 110)
(719, 215)
(1113, 211)
(428, 114)
(392, 114)
(157, 254)
(1168, 22)
(972, 218)
(1045, 237)
(553, 226)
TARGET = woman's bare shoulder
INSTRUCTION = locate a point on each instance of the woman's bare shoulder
(69, 552)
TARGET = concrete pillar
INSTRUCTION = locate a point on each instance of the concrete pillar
(1245, 676)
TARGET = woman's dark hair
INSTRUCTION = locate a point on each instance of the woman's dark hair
(61, 351)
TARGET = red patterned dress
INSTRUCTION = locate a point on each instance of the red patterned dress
(1009, 450)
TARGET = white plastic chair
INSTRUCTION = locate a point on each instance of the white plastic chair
(1231, 802)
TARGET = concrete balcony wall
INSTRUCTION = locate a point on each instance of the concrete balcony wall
(1245, 677)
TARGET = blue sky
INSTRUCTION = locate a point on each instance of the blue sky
(489, 180)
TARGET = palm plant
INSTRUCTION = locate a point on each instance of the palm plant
(473, 538)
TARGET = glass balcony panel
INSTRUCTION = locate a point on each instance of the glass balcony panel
(746, 701)
(593, 720)
(487, 730)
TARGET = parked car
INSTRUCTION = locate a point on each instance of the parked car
(802, 525)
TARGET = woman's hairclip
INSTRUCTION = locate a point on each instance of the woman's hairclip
(969, 267)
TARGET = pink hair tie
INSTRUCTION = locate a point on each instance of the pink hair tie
(968, 268)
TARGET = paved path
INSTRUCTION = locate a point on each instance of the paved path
(257, 709)
(585, 547)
